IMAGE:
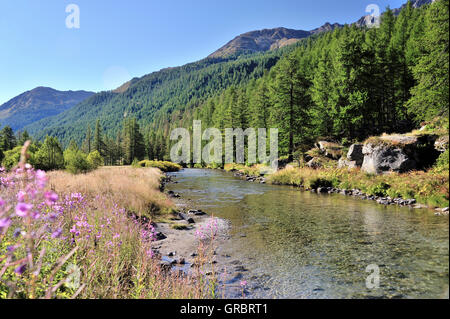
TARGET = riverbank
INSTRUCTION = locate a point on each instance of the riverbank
(418, 189)
(87, 236)
(196, 243)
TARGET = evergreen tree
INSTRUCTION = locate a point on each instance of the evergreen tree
(7, 139)
(430, 97)
(98, 139)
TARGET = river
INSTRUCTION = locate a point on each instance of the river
(297, 244)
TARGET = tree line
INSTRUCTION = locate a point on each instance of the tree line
(97, 148)
(345, 85)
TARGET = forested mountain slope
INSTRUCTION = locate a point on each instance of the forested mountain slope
(37, 104)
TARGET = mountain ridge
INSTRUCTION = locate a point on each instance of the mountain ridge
(37, 104)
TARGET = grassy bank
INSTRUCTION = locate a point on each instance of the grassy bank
(71, 236)
(429, 188)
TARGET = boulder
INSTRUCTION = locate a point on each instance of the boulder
(354, 158)
(355, 154)
(398, 153)
(330, 149)
(379, 159)
(441, 144)
(344, 162)
(314, 163)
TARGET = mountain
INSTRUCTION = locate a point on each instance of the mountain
(167, 95)
(37, 104)
(156, 96)
(267, 39)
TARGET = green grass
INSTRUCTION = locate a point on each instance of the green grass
(164, 166)
(430, 188)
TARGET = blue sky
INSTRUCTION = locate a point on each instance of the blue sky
(118, 40)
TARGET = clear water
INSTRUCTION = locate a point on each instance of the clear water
(298, 244)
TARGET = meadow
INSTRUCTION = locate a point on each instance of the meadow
(84, 236)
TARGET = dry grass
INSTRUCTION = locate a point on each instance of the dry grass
(137, 190)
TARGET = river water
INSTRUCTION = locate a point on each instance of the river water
(298, 244)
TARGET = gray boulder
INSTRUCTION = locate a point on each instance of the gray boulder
(314, 163)
(382, 158)
(399, 153)
(355, 154)
(441, 144)
(354, 158)
(345, 163)
(330, 149)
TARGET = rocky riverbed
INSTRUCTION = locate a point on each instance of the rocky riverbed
(178, 243)
(411, 202)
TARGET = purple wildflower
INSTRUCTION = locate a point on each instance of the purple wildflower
(50, 197)
(21, 196)
(20, 269)
(57, 233)
(22, 209)
(4, 223)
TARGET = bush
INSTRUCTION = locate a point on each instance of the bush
(379, 189)
(12, 157)
(95, 160)
(442, 163)
(164, 166)
(76, 161)
(50, 155)
(320, 182)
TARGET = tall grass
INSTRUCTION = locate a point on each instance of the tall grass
(78, 240)
(136, 190)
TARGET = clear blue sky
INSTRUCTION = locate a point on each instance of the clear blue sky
(118, 40)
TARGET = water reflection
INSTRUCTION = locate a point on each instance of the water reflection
(302, 245)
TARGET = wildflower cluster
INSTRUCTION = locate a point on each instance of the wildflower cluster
(29, 218)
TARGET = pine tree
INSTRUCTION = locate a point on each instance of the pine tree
(98, 139)
(291, 102)
(7, 139)
(430, 97)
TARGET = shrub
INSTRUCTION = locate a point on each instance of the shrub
(95, 160)
(137, 164)
(12, 157)
(442, 163)
(379, 189)
(164, 166)
(50, 155)
(76, 161)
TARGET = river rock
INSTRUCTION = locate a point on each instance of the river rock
(382, 158)
(160, 236)
(355, 154)
(314, 163)
(399, 153)
(344, 162)
(441, 144)
(330, 149)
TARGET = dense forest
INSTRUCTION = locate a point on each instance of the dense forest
(344, 85)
